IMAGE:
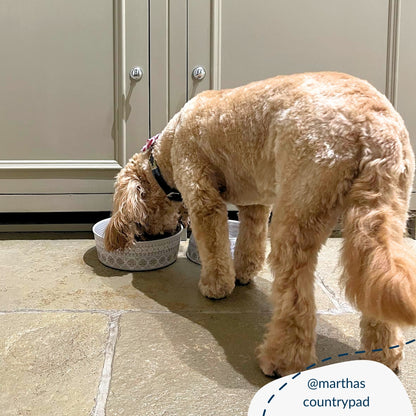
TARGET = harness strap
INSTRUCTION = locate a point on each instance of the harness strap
(172, 193)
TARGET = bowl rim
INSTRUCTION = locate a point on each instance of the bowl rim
(95, 226)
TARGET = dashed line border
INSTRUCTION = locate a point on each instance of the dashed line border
(330, 358)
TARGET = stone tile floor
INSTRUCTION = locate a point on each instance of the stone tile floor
(78, 338)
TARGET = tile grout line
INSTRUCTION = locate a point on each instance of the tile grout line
(108, 312)
(339, 308)
(330, 294)
(111, 312)
(104, 386)
(335, 312)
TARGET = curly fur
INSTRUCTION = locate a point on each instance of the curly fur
(312, 146)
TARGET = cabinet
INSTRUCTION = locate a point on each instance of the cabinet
(246, 41)
(70, 116)
(405, 88)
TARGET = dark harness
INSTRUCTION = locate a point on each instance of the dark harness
(171, 193)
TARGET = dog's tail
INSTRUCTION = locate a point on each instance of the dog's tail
(379, 270)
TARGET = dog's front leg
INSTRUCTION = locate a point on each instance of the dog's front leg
(196, 179)
(210, 228)
(250, 249)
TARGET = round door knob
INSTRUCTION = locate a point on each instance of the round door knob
(198, 73)
(136, 73)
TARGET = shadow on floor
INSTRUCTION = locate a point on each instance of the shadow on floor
(91, 259)
(237, 323)
(238, 334)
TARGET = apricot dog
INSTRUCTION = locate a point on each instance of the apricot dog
(311, 146)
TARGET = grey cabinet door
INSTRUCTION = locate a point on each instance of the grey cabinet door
(240, 41)
(69, 114)
(406, 70)
(255, 40)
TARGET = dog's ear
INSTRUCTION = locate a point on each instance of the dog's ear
(129, 211)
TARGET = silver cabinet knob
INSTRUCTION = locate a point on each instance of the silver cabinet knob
(198, 73)
(136, 73)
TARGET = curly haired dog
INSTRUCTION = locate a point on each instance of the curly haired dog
(313, 146)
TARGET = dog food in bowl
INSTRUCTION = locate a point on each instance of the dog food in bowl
(192, 251)
(142, 256)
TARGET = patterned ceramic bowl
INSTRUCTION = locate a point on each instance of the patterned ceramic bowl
(192, 251)
(144, 255)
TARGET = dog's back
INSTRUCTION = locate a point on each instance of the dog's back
(313, 125)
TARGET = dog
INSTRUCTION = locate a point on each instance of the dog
(313, 147)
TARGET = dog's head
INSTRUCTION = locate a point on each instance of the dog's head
(141, 208)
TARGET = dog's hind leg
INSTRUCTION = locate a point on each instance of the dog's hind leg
(382, 342)
(379, 268)
(250, 248)
(296, 237)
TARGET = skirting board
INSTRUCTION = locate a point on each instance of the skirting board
(38, 228)
(56, 202)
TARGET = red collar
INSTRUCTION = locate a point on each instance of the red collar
(150, 143)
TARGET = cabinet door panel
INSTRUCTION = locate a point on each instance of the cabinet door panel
(56, 85)
(255, 40)
(69, 114)
(407, 70)
(263, 38)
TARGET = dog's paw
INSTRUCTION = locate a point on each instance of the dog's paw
(243, 279)
(279, 361)
(389, 357)
(278, 369)
(268, 363)
(268, 367)
(246, 270)
(216, 288)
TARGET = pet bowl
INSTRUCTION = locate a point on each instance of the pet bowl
(142, 256)
(192, 251)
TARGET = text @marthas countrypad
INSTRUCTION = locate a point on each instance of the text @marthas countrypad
(357, 396)
(357, 387)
